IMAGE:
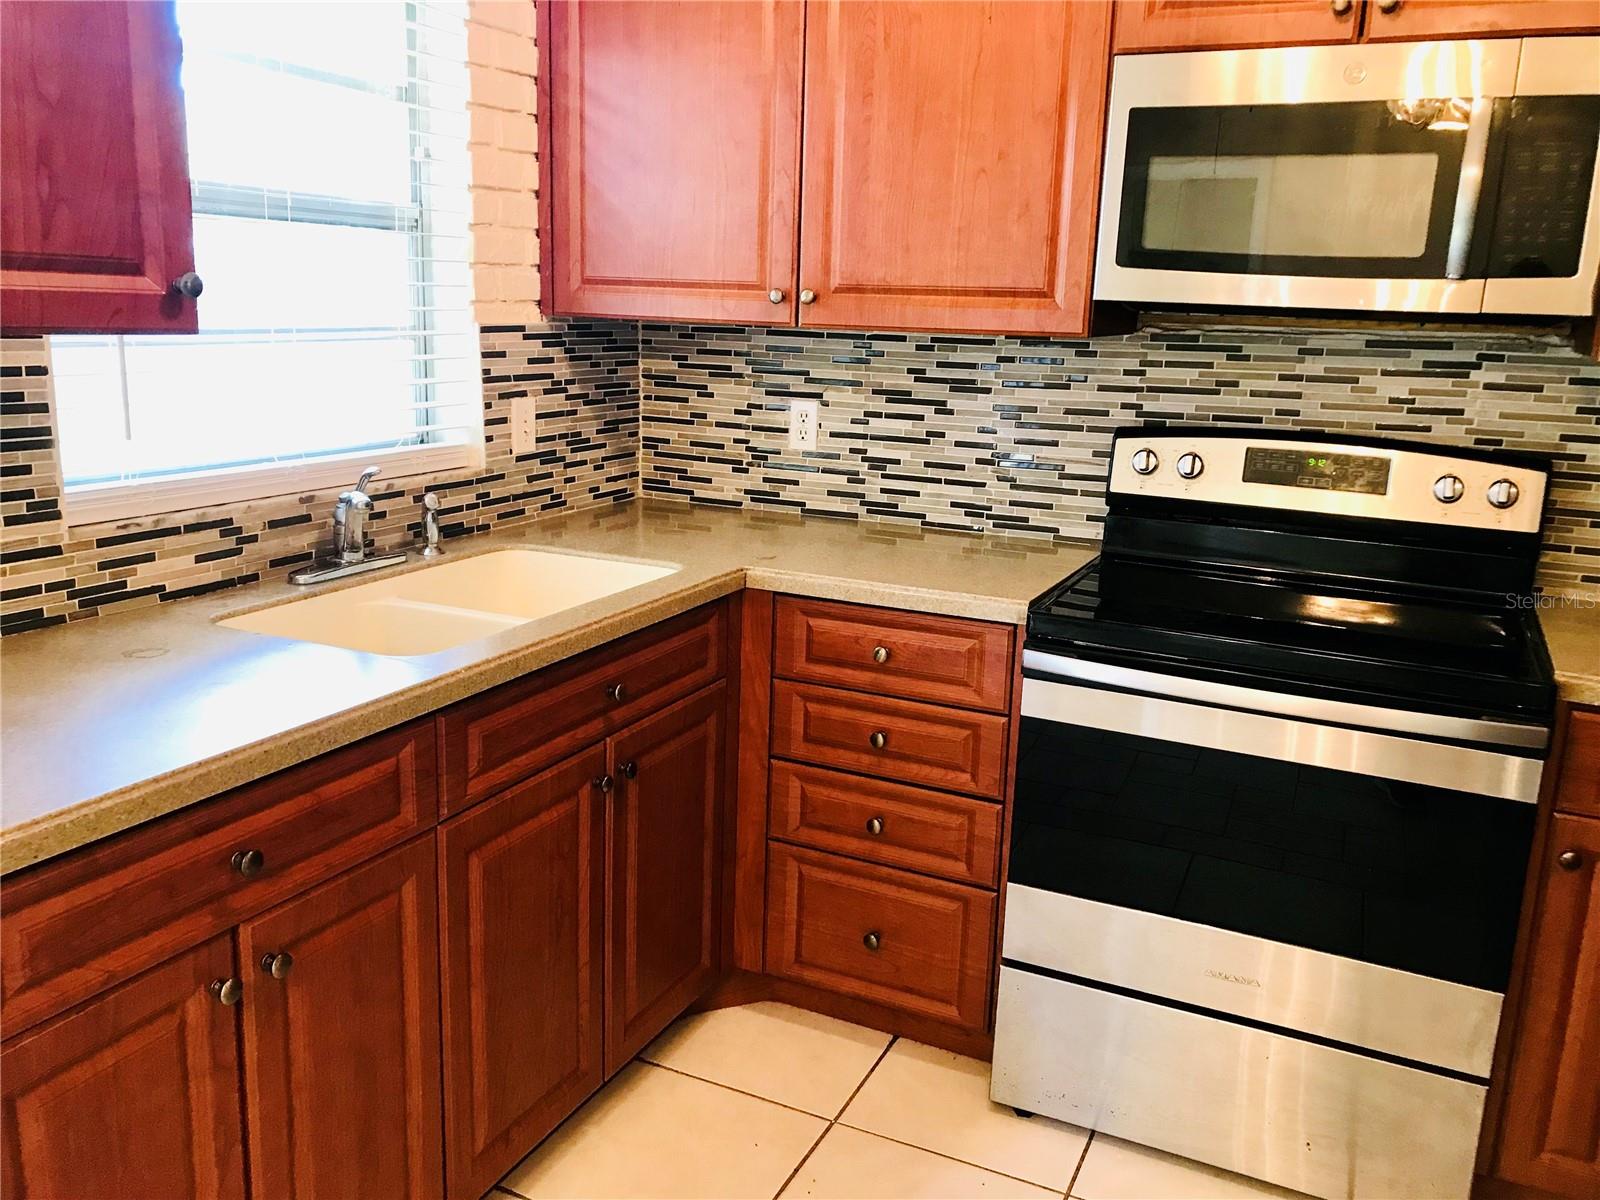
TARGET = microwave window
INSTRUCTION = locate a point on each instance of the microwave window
(1278, 205)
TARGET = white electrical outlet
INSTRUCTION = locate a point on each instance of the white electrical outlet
(524, 417)
(803, 422)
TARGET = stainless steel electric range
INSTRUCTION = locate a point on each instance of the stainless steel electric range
(1280, 750)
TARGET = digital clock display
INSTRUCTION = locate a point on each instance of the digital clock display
(1320, 469)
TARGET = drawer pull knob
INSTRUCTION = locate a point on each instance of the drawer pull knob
(879, 739)
(277, 965)
(248, 862)
(630, 770)
(880, 654)
(875, 826)
(872, 941)
(617, 692)
(605, 783)
(227, 991)
(1569, 860)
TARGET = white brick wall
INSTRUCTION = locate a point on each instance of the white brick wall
(503, 58)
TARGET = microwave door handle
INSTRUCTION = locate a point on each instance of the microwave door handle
(1469, 188)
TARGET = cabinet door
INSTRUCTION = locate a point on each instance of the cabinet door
(94, 198)
(134, 1094)
(342, 1043)
(1552, 1103)
(952, 156)
(522, 951)
(1479, 18)
(1227, 24)
(674, 142)
(661, 919)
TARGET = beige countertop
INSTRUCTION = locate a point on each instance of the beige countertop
(1572, 632)
(121, 719)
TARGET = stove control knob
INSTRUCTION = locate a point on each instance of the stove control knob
(1503, 493)
(1447, 489)
(1190, 465)
(1145, 462)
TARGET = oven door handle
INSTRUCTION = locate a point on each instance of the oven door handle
(1469, 188)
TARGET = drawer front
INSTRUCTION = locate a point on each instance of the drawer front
(505, 735)
(889, 823)
(1578, 790)
(77, 926)
(895, 740)
(945, 660)
(881, 935)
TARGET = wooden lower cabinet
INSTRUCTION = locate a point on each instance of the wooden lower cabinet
(135, 1093)
(1550, 1138)
(662, 932)
(523, 915)
(342, 1051)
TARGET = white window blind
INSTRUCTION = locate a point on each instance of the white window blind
(329, 167)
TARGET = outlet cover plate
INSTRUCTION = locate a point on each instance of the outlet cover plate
(524, 425)
(803, 421)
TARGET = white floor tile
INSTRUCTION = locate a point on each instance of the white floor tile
(798, 1058)
(851, 1165)
(940, 1101)
(654, 1133)
(1118, 1170)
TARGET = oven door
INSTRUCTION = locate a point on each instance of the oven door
(1339, 883)
(1383, 177)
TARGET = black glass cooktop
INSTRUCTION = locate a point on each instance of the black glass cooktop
(1435, 653)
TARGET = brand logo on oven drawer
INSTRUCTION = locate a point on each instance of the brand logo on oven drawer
(1229, 977)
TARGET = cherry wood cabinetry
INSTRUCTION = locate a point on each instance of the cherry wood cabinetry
(341, 1035)
(662, 887)
(1550, 1136)
(951, 164)
(674, 155)
(95, 223)
(1578, 786)
(523, 945)
(134, 1094)
(1228, 24)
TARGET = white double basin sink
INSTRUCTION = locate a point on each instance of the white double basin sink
(458, 601)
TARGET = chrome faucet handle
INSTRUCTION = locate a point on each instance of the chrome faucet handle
(367, 477)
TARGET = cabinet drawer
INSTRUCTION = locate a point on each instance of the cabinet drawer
(507, 734)
(882, 935)
(887, 823)
(943, 659)
(896, 740)
(75, 927)
(1579, 788)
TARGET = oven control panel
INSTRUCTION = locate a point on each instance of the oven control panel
(1389, 483)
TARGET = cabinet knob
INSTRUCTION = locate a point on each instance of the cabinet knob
(1569, 860)
(248, 862)
(227, 991)
(605, 783)
(875, 826)
(872, 941)
(630, 770)
(776, 295)
(807, 296)
(1388, 6)
(189, 284)
(880, 654)
(617, 692)
(1340, 7)
(277, 965)
(879, 739)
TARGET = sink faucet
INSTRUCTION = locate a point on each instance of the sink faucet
(350, 555)
(430, 525)
(350, 520)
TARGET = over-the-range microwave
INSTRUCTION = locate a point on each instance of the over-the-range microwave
(1432, 177)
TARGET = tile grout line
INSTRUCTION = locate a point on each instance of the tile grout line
(834, 1120)
(728, 1087)
(1078, 1170)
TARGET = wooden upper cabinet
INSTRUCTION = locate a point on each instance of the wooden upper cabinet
(133, 1094)
(1417, 19)
(661, 920)
(1223, 24)
(95, 221)
(1551, 1133)
(342, 1041)
(673, 146)
(952, 164)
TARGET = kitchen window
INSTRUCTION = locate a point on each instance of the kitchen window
(327, 149)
